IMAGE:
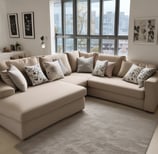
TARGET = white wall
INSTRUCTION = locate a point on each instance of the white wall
(147, 53)
(3, 25)
(42, 24)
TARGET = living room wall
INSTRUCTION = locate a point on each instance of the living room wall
(3, 25)
(143, 52)
(42, 24)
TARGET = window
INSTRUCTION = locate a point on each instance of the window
(92, 26)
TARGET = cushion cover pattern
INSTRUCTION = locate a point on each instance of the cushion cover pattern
(85, 65)
(100, 67)
(144, 75)
(53, 70)
(131, 75)
(18, 78)
(35, 74)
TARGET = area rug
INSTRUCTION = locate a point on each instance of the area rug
(102, 128)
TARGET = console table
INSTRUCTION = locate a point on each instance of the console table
(12, 55)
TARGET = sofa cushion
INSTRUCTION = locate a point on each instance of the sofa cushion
(88, 55)
(109, 69)
(6, 79)
(53, 70)
(125, 66)
(78, 78)
(85, 65)
(40, 100)
(144, 75)
(117, 59)
(116, 85)
(6, 90)
(17, 78)
(21, 63)
(133, 72)
(72, 56)
(99, 69)
(35, 74)
(53, 57)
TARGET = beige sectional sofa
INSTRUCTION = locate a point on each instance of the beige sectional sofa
(25, 113)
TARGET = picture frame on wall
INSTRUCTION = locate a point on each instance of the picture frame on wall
(13, 25)
(145, 31)
(28, 25)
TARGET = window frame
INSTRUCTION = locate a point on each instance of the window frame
(116, 37)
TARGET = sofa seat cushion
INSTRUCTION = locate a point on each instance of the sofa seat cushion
(40, 100)
(78, 78)
(117, 85)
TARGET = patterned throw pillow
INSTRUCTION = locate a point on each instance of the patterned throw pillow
(85, 65)
(100, 67)
(144, 75)
(35, 74)
(133, 72)
(53, 70)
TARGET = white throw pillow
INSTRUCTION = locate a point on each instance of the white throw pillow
(53, 70)
(17, 78)
(100, 67)
(133, 72)
(85, 65)
(35, 74)
(144, 75)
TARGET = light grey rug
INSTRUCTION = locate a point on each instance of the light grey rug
(102, 128)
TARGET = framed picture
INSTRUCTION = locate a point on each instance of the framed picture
(145, 30)
(28, 25)
(13, 25)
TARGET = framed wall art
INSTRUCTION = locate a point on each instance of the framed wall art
(13, 25)
(145, 30)
(28, 25)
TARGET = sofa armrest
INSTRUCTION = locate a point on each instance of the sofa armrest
(151, 93)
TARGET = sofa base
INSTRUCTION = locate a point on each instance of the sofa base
(25, 129)
(107, 95)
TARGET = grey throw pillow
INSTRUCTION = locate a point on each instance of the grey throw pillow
(144, 75)
(53, 70)
(85, 65)
(100, 67)
(133, 72)
(18, 78)
(35, 74)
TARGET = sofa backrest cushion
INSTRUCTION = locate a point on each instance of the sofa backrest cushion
(20, 64)
(53, 57)
(125, 66)
(6, 90)
(117, 59)
(88, 55)
(72, 56)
